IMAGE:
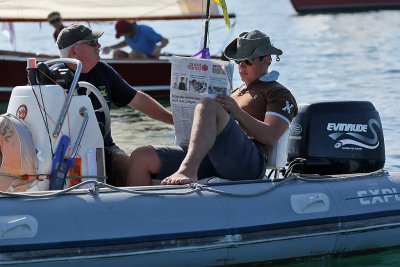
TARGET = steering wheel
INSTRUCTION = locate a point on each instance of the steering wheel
(90, 88)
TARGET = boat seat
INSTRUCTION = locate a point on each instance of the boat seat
(277, 157)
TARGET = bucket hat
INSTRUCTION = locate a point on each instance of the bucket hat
(74, 33)
(250, 45)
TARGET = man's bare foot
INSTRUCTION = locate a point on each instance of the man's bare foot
(178, 178)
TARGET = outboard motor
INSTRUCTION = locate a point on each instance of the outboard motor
(337, 138)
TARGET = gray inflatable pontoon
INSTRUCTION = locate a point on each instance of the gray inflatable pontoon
(329, 194)
(203, 225)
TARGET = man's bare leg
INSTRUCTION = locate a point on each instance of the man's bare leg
(210, 118)
(142, 163)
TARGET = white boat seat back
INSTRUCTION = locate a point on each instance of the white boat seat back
(277, 157)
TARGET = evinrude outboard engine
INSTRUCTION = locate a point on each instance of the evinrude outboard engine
(337, 138)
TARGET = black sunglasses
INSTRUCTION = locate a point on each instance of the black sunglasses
(248, 62)
(92, 43)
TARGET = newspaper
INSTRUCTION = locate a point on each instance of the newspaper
(191, 80)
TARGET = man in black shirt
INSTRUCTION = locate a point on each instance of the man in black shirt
(80, 42)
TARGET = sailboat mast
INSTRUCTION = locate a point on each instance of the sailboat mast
(206, 24)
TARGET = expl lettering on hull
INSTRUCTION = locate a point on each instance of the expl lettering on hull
(377, 196)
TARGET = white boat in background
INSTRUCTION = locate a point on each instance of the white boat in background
(150, 76)
(98, 10)
(332, 197)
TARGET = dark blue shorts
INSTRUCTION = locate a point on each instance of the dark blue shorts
(234, 156)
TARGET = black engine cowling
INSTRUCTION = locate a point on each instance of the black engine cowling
(337, 138)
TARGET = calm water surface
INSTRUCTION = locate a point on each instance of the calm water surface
(352, 56)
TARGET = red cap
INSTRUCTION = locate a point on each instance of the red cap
(121, 27)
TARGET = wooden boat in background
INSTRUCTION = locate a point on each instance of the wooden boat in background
(150, 76)
(321, 6)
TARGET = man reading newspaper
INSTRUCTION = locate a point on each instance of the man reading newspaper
(230, 135)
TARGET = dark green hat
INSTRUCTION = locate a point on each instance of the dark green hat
(53, 15)
(74, 33)
(250, 45)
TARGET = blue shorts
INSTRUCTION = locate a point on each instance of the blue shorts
(234, 156)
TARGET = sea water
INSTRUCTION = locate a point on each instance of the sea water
(350, 56)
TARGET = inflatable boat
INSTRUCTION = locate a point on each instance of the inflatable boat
(326, 192)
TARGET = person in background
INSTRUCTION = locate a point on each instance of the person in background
(231, 135)
(143, 40)
(80, 42)
(55, 20)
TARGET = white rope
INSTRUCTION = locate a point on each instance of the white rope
(190, 188)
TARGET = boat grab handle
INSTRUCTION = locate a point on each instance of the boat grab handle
(84, 113)
(64, 110)
(17, 226)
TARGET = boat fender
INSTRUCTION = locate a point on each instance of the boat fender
(17, 155)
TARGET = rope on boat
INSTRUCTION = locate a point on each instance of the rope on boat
(338, 178)
(290, 178)
(95, 189)
(192, 188)
(22, 177)
(231, 194)
(149, 193)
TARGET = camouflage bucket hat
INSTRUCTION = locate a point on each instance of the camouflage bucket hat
(250, 45)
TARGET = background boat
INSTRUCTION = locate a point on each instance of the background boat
(150, 76)
(317, 6)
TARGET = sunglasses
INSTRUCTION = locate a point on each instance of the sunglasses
(248, 62)
(92, 43)
(54, 20)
